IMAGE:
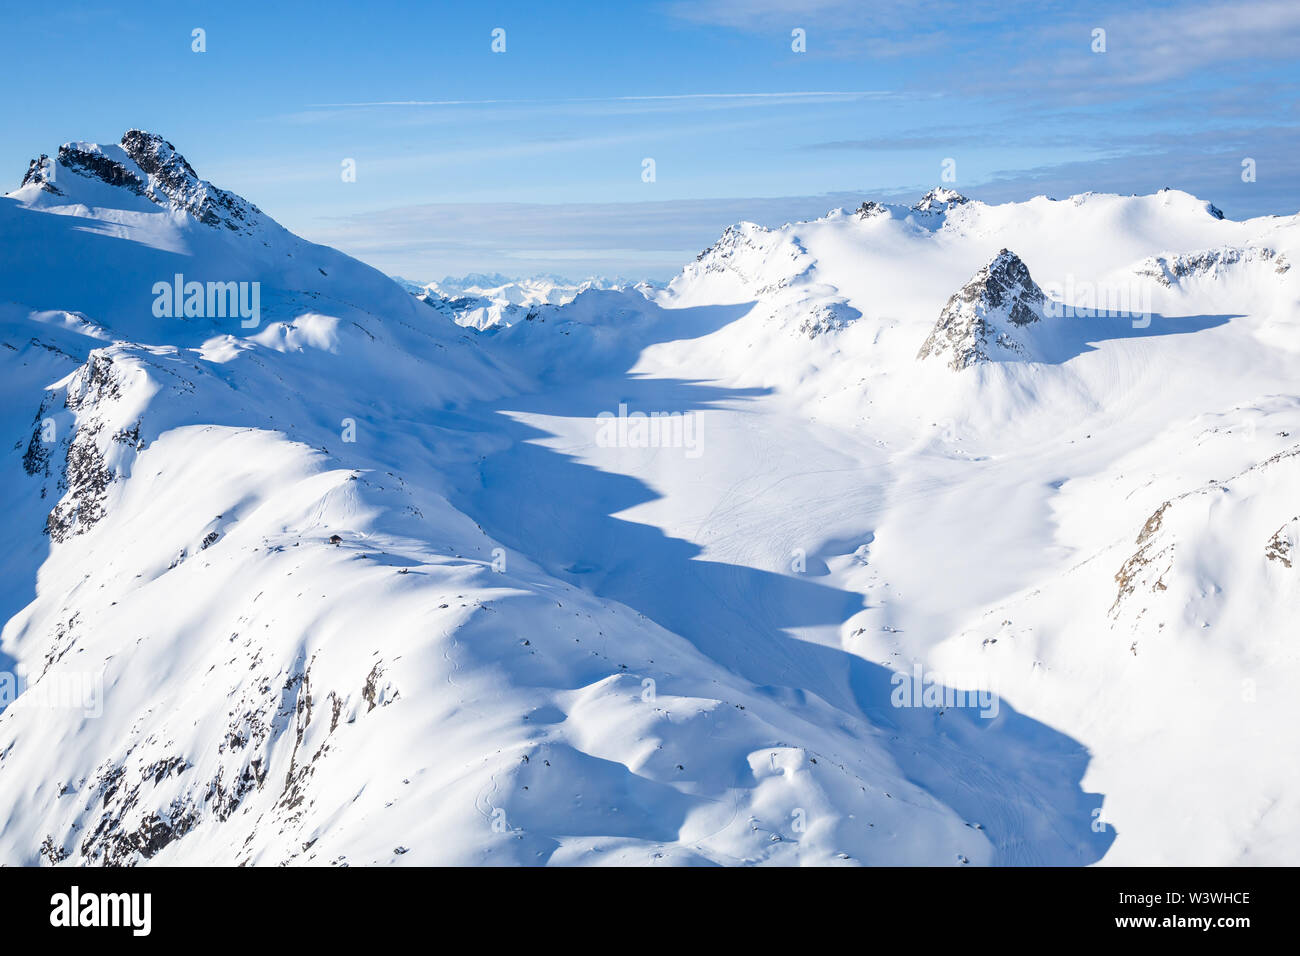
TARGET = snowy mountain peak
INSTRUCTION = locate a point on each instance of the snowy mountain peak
(870, 209)
(984, 320)
(749, 259)
(940, 199)
(147, 165)
(486, 301)
(740, 236)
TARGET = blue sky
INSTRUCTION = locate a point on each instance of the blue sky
(531, 160)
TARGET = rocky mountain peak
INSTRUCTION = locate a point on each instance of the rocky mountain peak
(940, 199)
(735, 238)
(40, 172)
(985, 319)
(870, 209)
(147, 165)
(158, 158)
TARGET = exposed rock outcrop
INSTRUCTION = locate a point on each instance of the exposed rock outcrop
(986, 319)
(1170, 270)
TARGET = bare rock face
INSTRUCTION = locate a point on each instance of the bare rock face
(172, 177)
(87, 474)
(986, 319)
(39, 171)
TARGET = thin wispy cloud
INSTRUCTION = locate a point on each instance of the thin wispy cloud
(764, 97)
(1159, 41)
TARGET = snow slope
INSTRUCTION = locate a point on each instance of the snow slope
(543, 636)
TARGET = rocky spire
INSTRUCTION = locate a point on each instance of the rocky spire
(987, 318)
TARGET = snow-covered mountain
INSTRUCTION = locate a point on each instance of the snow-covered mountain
(483, 301)
(939, 534)
(989, 316)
